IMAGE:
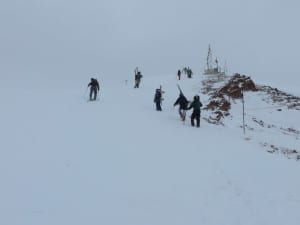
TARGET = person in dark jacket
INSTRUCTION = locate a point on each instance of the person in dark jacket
(179, 74)
(189, 72)
(158, 99)
(94, 88)
(196, 105)
(137, 77)
(183, 103)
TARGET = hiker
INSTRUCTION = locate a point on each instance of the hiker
(189, 72)
(196, 105)
(179, 74)
(137, 77)
(158, 99)
(94, 88)
(183, 103)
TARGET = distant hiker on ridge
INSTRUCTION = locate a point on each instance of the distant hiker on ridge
(196, 105)
(183, 103)
(179, 74)
(189, 72)
(137, 77)
(94, 88)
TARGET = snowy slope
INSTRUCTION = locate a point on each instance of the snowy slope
(117, 161)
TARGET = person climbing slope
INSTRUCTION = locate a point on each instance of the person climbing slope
(94, 89)
(196, 105)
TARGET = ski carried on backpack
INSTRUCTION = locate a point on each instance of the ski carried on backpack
(179, 89)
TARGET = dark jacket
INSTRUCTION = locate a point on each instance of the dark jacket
(157, 96)
(94, 84)
(196, 105)
(138, 76)
(182, 101)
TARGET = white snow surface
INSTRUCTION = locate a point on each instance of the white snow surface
(66, 161)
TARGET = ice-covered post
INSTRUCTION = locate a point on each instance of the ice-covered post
(241, 86)
(243, 101)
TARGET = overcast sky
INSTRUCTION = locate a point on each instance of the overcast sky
(111, 37)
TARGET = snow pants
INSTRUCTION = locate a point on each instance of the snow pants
(93, 93)
(195, 116)
(158, 105)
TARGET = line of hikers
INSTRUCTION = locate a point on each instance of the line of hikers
(187, 70)
(94, 84)
(183, 103)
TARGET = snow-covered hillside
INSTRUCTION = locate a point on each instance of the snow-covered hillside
(118, 161)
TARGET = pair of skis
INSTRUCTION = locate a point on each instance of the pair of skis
(179, 89)
(182, 114)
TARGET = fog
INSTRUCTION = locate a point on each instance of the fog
(109, 38)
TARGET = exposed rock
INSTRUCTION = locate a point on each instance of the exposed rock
(219, 101)
(236, 85)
